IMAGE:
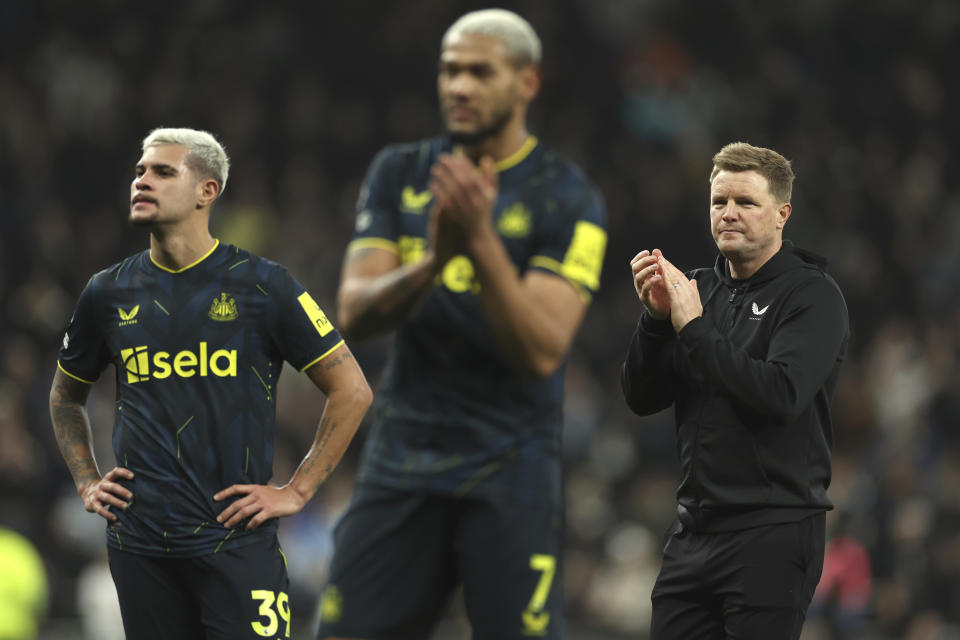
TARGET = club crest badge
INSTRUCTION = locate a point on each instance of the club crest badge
(223, 309)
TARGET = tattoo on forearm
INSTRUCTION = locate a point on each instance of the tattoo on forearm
(72, 431)
(326, 429)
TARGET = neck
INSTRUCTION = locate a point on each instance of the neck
(500, 146)
(741, 269)
(176, 249)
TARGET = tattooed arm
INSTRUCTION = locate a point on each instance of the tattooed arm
(71, 425)
(348, 397)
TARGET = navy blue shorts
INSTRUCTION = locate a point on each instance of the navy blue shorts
(752, 584)
(235, 594)
(398, 555)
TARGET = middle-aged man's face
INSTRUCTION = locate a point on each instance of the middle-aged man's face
(165, 189)
(478, 86)
(745, 218)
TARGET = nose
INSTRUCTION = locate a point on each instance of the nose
(460, 84)
(730, 211)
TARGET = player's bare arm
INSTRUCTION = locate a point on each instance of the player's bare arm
(535, 317)
(349, 396)
(377, 292)
(71, 426)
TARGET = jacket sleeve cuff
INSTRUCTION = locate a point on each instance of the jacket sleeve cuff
(655, 328)
(694, 331)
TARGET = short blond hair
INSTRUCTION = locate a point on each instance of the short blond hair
(740, 156)
(519, 38)
(206, 157)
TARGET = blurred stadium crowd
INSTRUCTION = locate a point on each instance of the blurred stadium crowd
(860, 95)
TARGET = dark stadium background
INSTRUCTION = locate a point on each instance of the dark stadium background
(860, 95)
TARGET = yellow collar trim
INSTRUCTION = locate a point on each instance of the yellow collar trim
(192, 264)
(519, 155)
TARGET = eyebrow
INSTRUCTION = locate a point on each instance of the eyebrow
(156, 166)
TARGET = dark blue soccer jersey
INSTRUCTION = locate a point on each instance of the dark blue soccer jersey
(198, 353)
(452, 415)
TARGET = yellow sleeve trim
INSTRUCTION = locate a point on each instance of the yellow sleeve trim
(326, 353)
(543, 262)
(373, 243)
(60, 366)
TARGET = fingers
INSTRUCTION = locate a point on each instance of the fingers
(119, 472)
(489, 169)
(239, 511)
(644, 259)
(114, 494)
(446, 185)
(253, 507)
(107, 492)
(110, 483)
(465, 186)
(671, 274)
(102, 511)
(234, 490)
(645, 272)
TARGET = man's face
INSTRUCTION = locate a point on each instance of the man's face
(165, 189)
(746, 220)
(478, 86)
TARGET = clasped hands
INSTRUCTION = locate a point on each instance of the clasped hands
(464, 195)
(664, 290)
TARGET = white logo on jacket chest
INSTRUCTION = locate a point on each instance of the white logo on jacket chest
(757, 311)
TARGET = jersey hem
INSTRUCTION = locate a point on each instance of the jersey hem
(208, 549)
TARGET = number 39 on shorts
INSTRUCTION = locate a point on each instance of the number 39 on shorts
(268, 624)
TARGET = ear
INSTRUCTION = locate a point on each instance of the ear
(783, 214)
(529, 82)
(207, 192)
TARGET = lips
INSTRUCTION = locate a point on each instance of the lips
(139, 199)
(460, 112)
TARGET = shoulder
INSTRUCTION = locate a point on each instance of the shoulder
(116, 275)
(810, 286)
(256, 265)
(815, 281)
(564, 172)
(570, 187)
(420, 153)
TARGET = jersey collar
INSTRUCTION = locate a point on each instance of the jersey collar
(189, 266)
(517, 156)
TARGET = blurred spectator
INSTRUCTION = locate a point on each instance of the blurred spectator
(23, 587)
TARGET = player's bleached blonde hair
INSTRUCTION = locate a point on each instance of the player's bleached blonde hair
(740, 156)
(522, 42)
(205, 155)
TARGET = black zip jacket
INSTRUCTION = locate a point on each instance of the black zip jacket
(752, 381)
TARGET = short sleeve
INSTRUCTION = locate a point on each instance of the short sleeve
(302, 332)
(84, 352)
(574, 241)
(376, 218)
